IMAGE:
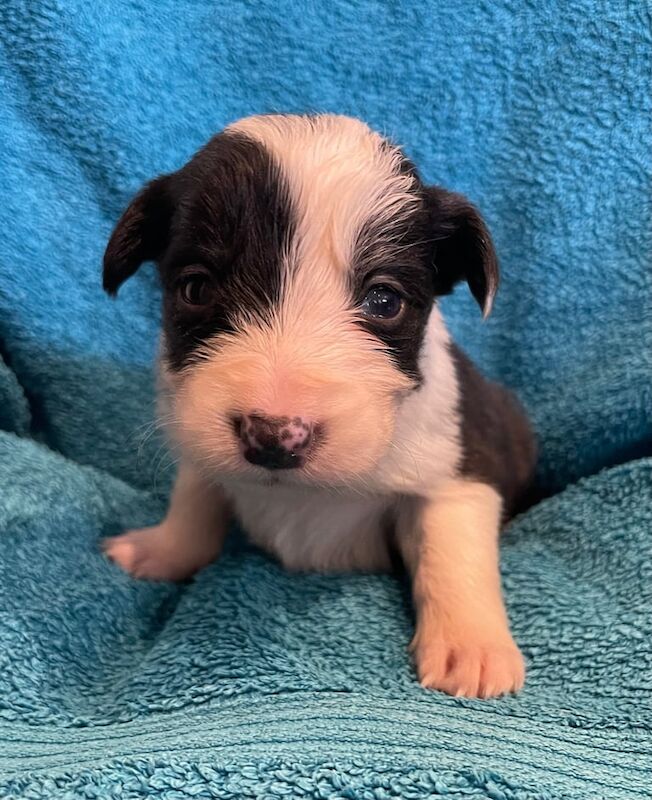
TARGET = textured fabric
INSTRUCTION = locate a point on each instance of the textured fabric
(249, 681)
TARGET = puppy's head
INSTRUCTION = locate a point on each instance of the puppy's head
(299, 258)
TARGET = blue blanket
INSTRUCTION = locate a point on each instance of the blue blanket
(249, 682)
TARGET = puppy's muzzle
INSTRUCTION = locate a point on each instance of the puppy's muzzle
(275, 442)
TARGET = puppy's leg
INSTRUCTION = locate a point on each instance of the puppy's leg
(190, 536)
(462, 643)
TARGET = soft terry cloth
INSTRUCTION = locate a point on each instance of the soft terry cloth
(249, 681)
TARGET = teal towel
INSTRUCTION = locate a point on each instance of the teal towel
(247, 681)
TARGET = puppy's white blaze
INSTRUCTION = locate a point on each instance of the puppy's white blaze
(341, 176)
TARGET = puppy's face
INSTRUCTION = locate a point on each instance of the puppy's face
(299, 258)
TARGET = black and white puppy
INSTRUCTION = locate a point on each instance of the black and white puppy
(311, 387)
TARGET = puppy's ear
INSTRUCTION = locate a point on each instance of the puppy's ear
(140, 235)
(463, 247)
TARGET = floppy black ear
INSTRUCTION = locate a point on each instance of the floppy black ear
(140, 235)
(463, 247)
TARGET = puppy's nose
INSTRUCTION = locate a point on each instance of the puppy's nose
(274, 442)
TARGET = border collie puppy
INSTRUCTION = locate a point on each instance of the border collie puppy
(310, 385)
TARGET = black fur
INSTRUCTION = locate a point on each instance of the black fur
(140, 235)
(463, 249)
(229, 213)
(499, 447)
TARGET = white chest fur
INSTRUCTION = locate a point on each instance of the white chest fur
(315, 529)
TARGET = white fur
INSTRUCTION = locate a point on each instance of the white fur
(190, 536)
(449, 542)
(310, 529)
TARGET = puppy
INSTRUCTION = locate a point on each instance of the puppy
(310, 384)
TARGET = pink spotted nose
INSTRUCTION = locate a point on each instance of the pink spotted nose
(275, 442)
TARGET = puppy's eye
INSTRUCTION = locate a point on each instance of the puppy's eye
(382, 302)
(194, 289)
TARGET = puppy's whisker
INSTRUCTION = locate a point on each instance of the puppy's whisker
(162, 426)
(400, 450)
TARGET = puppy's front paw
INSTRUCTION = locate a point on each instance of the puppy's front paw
(151, 553)
(469, 667)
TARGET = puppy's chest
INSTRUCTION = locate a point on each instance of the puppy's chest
(316, 530)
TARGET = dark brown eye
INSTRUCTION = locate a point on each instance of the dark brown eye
(194, 289)
(382, 302)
